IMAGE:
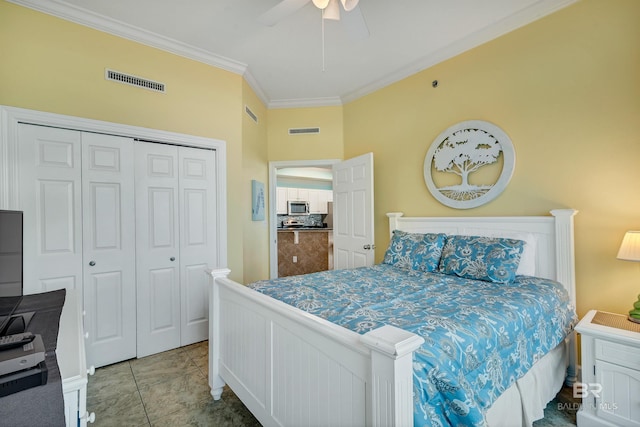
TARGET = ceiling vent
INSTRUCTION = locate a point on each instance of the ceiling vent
(298, 131)
(128, 79)
(251, 114)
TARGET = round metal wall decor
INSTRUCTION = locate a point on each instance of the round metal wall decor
(469, 164)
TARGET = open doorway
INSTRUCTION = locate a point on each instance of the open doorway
(304, 174)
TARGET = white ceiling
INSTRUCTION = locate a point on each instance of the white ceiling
(283, 63)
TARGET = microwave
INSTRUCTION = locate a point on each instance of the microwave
(297, 207)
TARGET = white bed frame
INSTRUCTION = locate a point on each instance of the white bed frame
(291, 368)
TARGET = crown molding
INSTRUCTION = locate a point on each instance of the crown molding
(255, 86)
(99, 22)
(304, 103)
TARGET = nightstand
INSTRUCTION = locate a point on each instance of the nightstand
(610, 387)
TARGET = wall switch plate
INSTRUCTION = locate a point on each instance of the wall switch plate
(295, 258)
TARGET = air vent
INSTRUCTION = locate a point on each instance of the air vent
(128, 79)
(251, 114)
(298, 131)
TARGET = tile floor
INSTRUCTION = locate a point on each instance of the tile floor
(171, 389)
(165, 389)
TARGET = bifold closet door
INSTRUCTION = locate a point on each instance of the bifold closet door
(76, 191)
(108, 219)
(175, 241)
(50, 197)
(197, 240)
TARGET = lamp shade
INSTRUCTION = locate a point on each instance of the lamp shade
(630, 247)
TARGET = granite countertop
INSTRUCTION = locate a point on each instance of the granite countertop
(304, 229)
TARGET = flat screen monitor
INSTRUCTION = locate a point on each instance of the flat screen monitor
(10, 265)
(10, 253)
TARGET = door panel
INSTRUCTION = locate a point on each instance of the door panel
(107, 310)
(353, 228)
(161, 284)
(50, 186)
(157, 247)
(197, 239)
(106, 208)
(196, 296)
(56, 199)
(108, 248)
(162, 222)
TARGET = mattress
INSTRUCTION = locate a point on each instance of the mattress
(480, 337)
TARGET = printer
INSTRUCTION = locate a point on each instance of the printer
(23, 367)
(23, 357)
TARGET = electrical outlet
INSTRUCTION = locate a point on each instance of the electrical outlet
(295, 258)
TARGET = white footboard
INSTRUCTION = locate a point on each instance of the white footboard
(292, 368)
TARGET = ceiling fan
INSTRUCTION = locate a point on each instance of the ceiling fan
(352, 19)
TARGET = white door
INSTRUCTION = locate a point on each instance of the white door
(157, 247)
(353, 228)
(108, 220)
(197, 204)
(175, 243)
(50, 194)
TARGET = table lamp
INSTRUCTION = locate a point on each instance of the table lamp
(630, 251)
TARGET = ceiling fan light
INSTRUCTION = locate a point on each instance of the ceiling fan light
(349, 5)
(321, 4)
(332, 11)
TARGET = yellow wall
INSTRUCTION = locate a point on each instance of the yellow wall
(566, 89)
(328, 144)
(52, 65)
(255, 166)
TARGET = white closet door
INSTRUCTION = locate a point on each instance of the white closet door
(108, 248)
(50, 196)
(197, 239)
(157, 247)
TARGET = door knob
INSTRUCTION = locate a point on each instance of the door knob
(366, 247)
(92, 263)
(172, 258)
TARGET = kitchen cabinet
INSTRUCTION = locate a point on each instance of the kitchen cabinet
(317, 199)
(297, 194)
(281, 200)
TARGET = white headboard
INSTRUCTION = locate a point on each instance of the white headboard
(551, 236)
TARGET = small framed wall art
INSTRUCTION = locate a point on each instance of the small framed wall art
(257, 200)
(469, 164)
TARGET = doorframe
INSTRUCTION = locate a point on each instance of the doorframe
(273, 216)
(12, 117)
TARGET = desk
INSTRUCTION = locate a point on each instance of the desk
(42, 405)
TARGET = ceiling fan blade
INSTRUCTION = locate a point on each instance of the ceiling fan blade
(348, 5)
(280, 11)
(355, 24)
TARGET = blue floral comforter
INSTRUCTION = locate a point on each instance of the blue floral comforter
(480, 337)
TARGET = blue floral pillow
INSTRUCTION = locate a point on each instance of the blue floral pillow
(491, 259)
(415, 251)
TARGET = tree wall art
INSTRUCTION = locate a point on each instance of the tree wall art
(469, 164)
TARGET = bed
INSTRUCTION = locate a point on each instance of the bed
(292, 367)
